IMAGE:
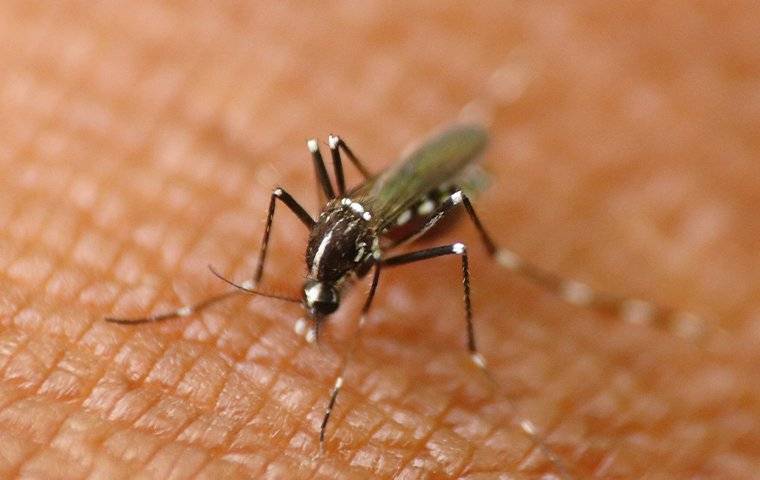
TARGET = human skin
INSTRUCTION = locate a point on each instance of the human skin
(141, 144)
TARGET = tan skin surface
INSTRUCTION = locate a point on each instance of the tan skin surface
(140, 144)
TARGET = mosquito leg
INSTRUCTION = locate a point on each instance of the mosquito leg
(277, 193)
(296, 208)
(339, 379)
(453, 249)
(336, 145)
(323, 180)
(528, 427)
(185, 311)
(630, 310)
(577, 293)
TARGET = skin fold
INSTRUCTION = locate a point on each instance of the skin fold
(138, 145)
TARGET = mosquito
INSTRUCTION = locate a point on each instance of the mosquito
(359, 227)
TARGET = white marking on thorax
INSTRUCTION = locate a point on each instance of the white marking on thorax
(360, 252)
(357, 207)
(349, 278)
(352, 225)
(320, 252)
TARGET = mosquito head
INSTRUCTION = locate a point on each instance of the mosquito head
(320, 298)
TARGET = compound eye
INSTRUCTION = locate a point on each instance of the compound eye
(320, 298)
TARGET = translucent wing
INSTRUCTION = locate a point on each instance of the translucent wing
(437, 162)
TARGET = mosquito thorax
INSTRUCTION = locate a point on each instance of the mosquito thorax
(341, 247)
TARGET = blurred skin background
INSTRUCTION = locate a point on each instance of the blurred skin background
(139, 142)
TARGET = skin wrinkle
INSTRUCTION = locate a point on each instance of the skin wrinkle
(23, 348)
(371, 433)
(33, 453)
(644, 390)
(107, 364)
(531, 452)
(278, 454)
(616, 432)
(235, 434)
(56, 364)
(421, 444)
(317, 405)
(101, 443)
(584, 396)
(307, 427)
(550, 424)
(190, 419)
(177, 460)
(54, 114)
(367, 438)
(263, 402)
(180, 428)
(340, 417)
(156, 452)
(557, 425)
(339, 420)
(199, 234)
(127, 338)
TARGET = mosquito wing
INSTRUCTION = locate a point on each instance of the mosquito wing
(437, 162)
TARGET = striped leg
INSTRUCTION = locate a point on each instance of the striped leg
(339, 379)
(453, 249)
(184, 311)
(187, 310)
(337, 145)
(528, 427)
(295, 207)
(631, 310)
(323, 180)
(577, 293)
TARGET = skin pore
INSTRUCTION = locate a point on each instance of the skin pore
(140, 145)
